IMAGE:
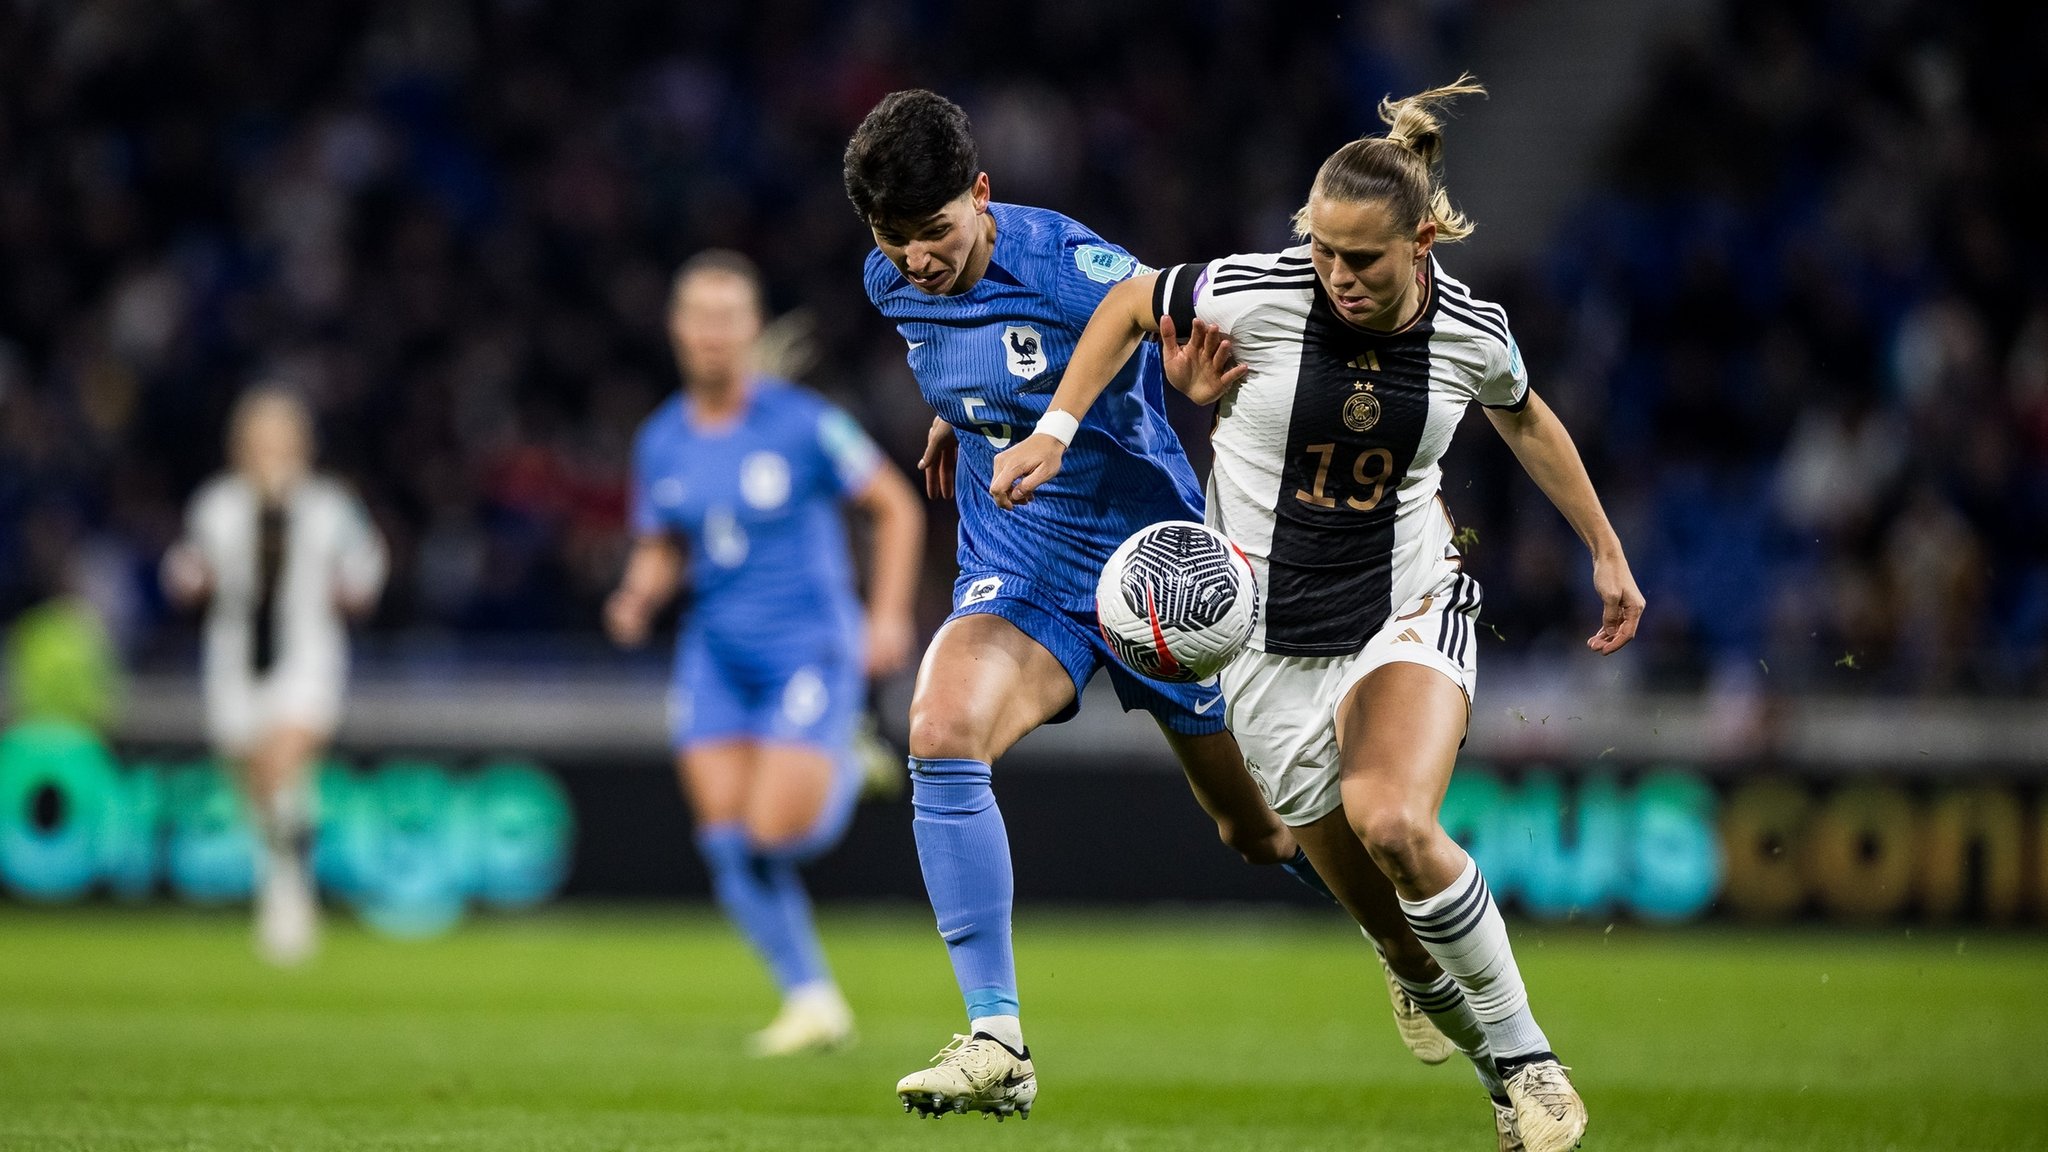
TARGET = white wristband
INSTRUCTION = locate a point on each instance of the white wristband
(1059, 425)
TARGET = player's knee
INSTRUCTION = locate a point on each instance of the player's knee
(774, 829)
(1257, 843)
(945, 733)
(1397, 838)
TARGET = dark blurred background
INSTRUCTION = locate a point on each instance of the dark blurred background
(1788, 294)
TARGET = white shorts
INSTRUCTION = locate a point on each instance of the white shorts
(242, 710)
(1283, 709)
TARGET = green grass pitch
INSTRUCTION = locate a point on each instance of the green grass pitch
(134, 1029)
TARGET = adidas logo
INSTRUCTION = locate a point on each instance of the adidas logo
(1408, 636)
(1365, 362)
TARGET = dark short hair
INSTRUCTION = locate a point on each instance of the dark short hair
(912, 155)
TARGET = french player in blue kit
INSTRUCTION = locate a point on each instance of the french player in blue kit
(740, 480)
(991, 299)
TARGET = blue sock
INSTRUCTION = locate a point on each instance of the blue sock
(764, 897)
(1302, 870)
(965, 854)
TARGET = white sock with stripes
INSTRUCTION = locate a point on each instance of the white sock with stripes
(1448, 1009)
(1461, 926)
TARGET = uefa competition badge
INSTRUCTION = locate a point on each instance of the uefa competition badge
(1104, 265)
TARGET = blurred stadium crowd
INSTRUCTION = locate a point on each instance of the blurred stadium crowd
(1800, 330)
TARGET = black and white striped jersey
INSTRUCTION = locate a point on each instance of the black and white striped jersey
(1327, 454)
(280, 575)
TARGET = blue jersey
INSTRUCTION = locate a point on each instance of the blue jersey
(757, 502)
(988, 360)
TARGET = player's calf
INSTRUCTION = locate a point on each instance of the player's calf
(1261, 842)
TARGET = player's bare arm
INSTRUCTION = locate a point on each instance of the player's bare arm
(941, 457)
(653, 572)
(1120, 321)
(187, 579)
(1545, 448)
(898, 546)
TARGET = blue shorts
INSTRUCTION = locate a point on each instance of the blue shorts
(813, 697)
(1075, 640)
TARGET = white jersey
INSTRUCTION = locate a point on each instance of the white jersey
(276, 643)
(1326, 455)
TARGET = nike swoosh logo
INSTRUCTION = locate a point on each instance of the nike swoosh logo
(1205, 705)
(916, 344)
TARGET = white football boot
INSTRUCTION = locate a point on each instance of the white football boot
(1548, 1111)
(287, 913)
(1417, 1030)
(972, 1074)
(1505, 1128)
(814, 1019)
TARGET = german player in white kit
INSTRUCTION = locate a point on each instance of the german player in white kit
(280, 556)
(1358, 356)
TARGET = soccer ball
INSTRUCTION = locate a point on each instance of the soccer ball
(1177, 601)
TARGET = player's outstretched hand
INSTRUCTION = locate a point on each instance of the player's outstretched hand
(1022, 468)
(890, 638)
(626, 619)
(1203, 369)
(941, 452)
(1621, 605)
(186, 578)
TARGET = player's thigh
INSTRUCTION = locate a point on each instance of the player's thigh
(1398, 732)
(232, 715)
(1216, 774)
(983, 685)
(787, 795)
(716, 776)
(286, 751)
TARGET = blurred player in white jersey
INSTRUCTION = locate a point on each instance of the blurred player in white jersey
(280, 556)
(1358, 357)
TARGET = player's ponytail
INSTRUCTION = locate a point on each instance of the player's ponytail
(788, 345)
(1401, 166)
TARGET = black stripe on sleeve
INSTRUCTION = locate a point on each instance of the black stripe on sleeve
(1481, 309)
(1226, 273)
(1459, 293)
(1462, 312)
(1173, 294)
(1271, 285)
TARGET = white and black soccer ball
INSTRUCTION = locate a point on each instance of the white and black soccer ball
(1177, 601)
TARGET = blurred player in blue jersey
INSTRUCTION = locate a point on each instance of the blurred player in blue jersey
(744, 476)
(991, 299)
